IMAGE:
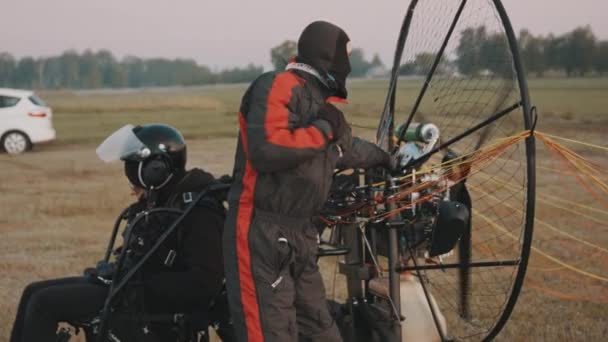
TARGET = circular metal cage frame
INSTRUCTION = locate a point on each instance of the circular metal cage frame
(386, 129)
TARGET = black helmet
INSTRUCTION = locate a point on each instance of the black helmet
(163, 140)
(153, 153)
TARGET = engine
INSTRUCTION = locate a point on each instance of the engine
(430, 206)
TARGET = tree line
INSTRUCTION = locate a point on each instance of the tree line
(102, 70)
(575, 53)
(281, 54)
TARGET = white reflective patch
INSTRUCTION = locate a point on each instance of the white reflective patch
(277, 282)
(340, 153)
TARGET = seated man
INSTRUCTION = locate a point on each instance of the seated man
(184, 275)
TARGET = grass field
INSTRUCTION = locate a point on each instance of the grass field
(58, 202)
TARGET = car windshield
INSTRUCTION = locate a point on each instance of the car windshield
(37, 101)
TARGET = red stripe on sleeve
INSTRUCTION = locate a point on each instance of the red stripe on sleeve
(277, 117)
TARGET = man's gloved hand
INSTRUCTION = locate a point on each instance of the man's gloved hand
(336, 120)
(102, 269)
(105, 269)
(100, 274)
(90, 272)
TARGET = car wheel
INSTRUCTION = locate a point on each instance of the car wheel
(15, 142)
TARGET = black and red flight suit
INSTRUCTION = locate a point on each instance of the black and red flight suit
(283, 171)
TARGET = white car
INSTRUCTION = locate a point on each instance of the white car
(24, 120)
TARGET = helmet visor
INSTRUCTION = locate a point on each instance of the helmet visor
(121, 145)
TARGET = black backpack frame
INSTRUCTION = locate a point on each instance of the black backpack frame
(214, 193)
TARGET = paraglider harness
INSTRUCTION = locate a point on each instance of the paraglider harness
(122, 312)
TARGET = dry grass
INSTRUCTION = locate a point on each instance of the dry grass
(57, 203)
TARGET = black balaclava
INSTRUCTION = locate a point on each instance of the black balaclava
(322, 45)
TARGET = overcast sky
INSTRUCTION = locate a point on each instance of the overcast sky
(225, 33)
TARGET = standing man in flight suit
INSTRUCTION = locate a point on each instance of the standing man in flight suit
(291, 140)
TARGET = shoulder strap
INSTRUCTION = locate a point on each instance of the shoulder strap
(182, 201)
(213, 202)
